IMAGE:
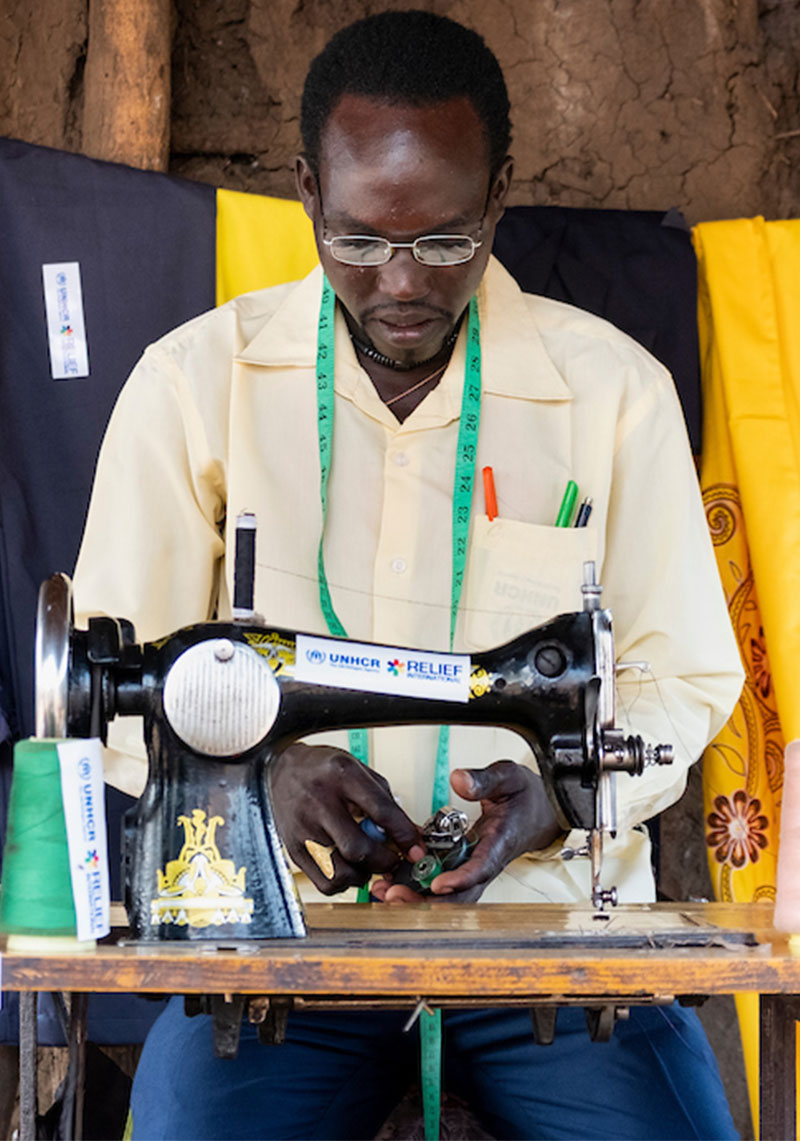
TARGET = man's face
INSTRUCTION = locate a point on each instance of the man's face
(403, 172)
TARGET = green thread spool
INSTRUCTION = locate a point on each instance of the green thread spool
(36, 902)
(426, 869)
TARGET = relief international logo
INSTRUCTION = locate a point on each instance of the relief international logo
(395, 667)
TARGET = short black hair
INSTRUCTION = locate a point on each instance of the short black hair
(411, 57)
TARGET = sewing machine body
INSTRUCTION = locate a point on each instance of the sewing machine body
(221, 699)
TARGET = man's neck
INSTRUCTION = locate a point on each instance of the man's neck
(402, 390)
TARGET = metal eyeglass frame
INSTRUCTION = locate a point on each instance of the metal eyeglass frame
(390, 247)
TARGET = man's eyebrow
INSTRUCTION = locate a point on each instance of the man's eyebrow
(347, 224)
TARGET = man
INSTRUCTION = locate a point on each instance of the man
(404, 174)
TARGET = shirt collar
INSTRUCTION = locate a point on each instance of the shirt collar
(289, 336)
(515, 361)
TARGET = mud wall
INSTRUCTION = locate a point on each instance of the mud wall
(616, 103)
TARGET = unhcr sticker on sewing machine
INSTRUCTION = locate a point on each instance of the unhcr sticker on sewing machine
(200, 888)
(382, 669)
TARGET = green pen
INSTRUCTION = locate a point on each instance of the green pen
(567, 504)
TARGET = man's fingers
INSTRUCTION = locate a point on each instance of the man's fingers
(375, 847)
(349, 842)
(370, 793)
(469, 895)
(322, 861)
(400, 893)
(308, 864)
(357, 848)
(319, 794)
(344, 875)
(503, 778)
(386, 812)
(476, 872)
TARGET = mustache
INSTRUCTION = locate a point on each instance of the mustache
(413, 309)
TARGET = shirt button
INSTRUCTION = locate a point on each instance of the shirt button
(400, 458)
(398, 565)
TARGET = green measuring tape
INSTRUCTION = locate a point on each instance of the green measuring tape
(466, 451)
(359, 741)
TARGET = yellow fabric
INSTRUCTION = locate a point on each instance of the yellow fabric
(750, 346)
(261, 241)
(220, 416)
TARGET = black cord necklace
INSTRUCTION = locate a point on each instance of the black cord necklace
(400, 366)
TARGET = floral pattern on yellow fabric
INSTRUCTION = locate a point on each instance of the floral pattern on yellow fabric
(737, 829)
(743, 767)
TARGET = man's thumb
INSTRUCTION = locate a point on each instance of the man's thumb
(499, 779)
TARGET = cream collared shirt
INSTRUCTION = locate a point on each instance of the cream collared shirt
(220, 417)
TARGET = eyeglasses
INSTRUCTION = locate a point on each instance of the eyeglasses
(432, 249)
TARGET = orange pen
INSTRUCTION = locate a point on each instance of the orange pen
(489, 493)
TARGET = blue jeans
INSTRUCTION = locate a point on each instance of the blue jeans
(339, 1076)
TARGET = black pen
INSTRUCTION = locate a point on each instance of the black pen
(584, 511)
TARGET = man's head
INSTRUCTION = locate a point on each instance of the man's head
(406, 129)
(413, 57)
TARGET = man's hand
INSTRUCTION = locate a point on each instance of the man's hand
(317, 791)
(516, 817)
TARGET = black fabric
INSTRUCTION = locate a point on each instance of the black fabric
(635, 268)
(146, 247)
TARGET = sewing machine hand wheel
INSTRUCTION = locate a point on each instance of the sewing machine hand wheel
(54, 624)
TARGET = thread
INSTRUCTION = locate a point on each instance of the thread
(787, 891)
(36, 893)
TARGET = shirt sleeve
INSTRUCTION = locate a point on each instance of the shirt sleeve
(152, 549)
(157, 505)
(661, 583)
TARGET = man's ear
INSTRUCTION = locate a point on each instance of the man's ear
(307, 187)
(499, 191)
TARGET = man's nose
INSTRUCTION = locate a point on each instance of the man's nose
(404, 278)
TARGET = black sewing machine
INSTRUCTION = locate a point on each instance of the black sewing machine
(220, 699)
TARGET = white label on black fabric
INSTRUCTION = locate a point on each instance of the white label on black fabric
(382, 669)
(82, 791)
(66, 327)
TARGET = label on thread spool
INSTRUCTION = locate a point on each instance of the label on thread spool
(46, 890)
(83, 796)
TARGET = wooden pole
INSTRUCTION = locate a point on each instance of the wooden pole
(127, 82)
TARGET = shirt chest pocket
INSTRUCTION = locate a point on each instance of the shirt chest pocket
(520, 575)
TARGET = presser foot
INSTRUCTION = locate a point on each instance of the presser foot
(593, 849)
(603, 897)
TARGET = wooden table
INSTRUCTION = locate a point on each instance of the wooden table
(456, 956)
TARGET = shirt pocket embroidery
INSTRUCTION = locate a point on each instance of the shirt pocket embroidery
(520, 575)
